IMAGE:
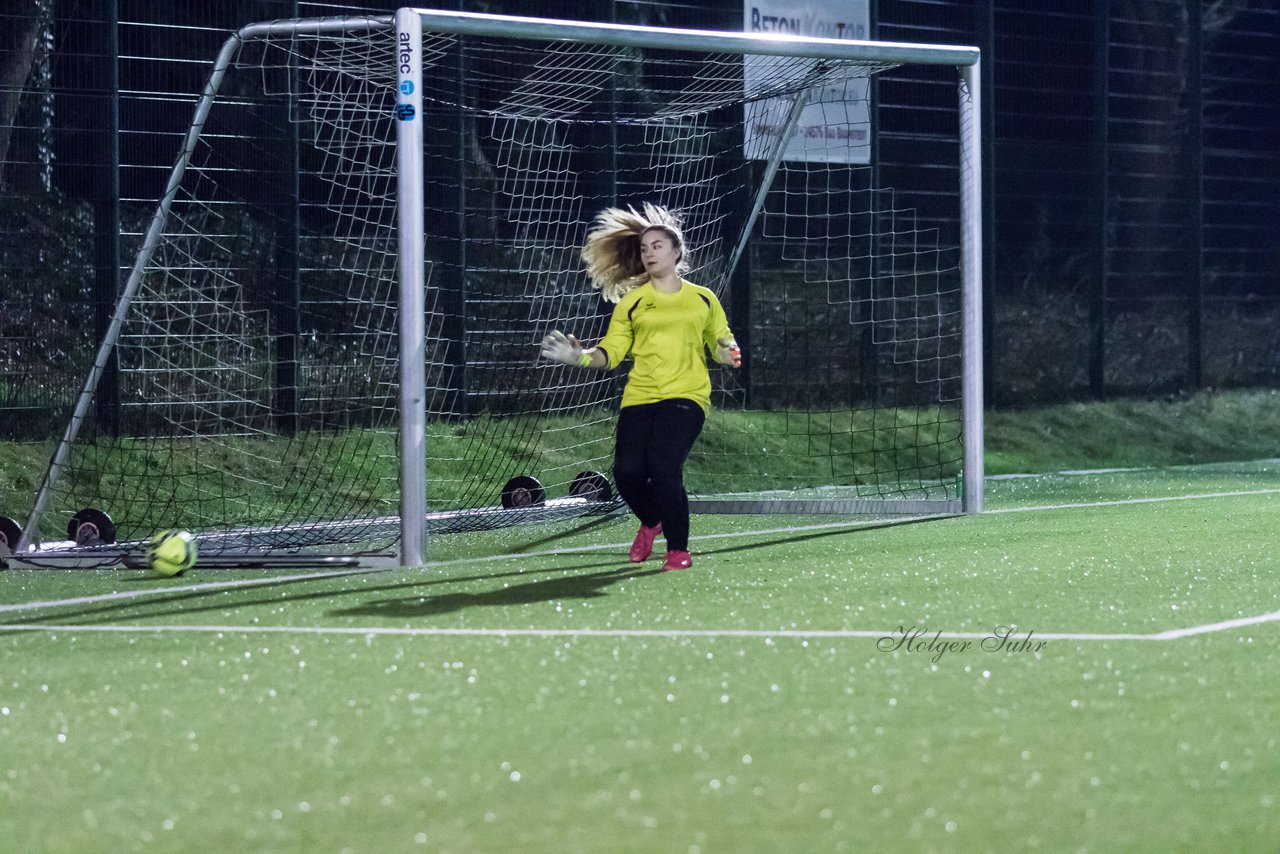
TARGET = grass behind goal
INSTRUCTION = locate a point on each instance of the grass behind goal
(470, 461)
(1200, 428)
(563, 699)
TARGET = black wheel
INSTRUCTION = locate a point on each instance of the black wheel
(591, 485)
(91, 527)
(523, 491)
(10, 533)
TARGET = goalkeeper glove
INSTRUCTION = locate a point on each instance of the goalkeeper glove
(728, 352)
(565, 349)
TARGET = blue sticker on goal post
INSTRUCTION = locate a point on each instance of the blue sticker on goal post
(406, 88)
(404, 112)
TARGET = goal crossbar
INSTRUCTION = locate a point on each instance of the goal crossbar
(712, 41)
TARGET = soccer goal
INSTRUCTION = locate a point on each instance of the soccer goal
(328, 339)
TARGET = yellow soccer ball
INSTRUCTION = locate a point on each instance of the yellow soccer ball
(171, 553)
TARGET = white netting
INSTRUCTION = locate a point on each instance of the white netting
(258, 375)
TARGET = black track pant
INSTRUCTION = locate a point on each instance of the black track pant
(653, 442)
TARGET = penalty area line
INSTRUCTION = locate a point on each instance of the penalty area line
(204, 587)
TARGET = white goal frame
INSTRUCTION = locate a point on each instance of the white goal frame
(409, 25)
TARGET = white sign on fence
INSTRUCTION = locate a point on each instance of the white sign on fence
(836, 126)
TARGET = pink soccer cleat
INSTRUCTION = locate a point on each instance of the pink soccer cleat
(677, 560)
(642, 547)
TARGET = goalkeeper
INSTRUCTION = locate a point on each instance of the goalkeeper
(636, 260)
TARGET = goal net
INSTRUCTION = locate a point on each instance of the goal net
(328, 340)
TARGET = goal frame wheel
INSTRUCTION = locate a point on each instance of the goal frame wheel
(591, 485)
(83, 526)
(10, 534)
(523, 491)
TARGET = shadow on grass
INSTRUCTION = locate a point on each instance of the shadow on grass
(797, 537)
(591, 586)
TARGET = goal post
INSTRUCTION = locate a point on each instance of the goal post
(447, 167)
(409, 190)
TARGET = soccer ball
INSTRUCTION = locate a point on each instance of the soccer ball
(171, 552)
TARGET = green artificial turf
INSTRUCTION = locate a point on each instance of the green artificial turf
(546, 695)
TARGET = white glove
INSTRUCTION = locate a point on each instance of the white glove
(562, 348)
(728, 352)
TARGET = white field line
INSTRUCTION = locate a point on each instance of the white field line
(1121, 501)
(185, 588)
(1209, 628)
(1064, 473)
(1127, 469)
(664, 634)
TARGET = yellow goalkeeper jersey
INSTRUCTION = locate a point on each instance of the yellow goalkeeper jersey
(668, 336)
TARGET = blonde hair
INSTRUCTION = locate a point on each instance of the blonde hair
(612, 250)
